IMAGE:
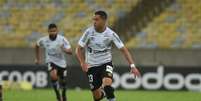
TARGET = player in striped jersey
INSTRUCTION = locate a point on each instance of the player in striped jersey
(97, 44)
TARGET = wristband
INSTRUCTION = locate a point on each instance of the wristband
(132, 65)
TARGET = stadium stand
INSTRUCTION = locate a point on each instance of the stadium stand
(177, 27)
(158, 25)
(24, 21)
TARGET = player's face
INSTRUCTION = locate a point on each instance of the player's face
(98, 22)
(53, 33)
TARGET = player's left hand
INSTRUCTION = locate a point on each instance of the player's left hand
(135, 72)
(84, 67)
(62, 47)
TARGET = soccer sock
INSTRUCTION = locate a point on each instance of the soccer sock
(109, 93)
(63, 87)
(64, 94)
(55, 85)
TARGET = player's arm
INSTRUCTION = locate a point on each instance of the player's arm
(80, 55)
(38, 54)
(126, 54)
(66, 47)
(68, 51)
(129, 58)
(80, 51)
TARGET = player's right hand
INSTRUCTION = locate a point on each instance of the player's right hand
(37, 61)
(84, 67)
(135, 72)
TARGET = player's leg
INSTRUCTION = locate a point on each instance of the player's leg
(54, 79)
(107, 81)
(1, 91)
(62, 73)
(109, 90)
(95, 82)
(98, 94)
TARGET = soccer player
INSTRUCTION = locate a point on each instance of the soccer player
(97, 61)
(55, 46)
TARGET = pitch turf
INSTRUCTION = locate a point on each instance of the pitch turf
(85, 95)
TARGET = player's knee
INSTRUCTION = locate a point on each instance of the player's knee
(53, 75)
(107, 81)
(54, 78)
(109, 90)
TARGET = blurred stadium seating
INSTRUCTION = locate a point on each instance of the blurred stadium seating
(23, 21)
(177, 27)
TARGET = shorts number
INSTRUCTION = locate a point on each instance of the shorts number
(90, 78)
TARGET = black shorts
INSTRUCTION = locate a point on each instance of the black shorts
(96, 74)
(61, 72)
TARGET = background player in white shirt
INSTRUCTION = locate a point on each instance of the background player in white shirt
(97, 61)
(55, 46)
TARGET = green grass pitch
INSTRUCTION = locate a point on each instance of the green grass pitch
(85, 95)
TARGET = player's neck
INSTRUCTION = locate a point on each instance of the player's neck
(100, 30)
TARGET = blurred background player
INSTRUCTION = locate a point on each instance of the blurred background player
(55, 46)
(97, 42)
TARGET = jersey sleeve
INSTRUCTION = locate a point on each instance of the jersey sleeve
(66, 43)
(39, 42)
(84, 39)
(117, 41)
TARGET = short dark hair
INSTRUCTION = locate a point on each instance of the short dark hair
(52, 25)
(102, 14)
